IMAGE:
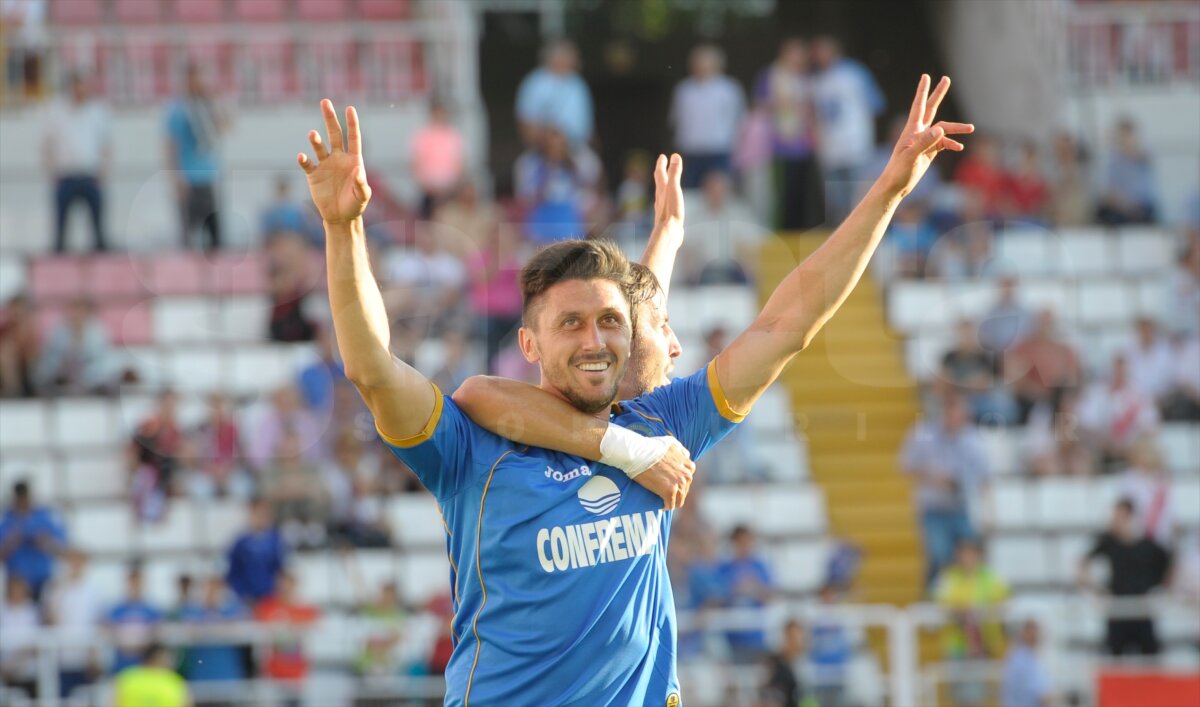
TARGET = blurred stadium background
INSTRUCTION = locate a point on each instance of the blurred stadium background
(1024, 354)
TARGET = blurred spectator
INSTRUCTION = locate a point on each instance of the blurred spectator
(355, 509)
(286, 215)
(724, 236)
(156, 450)
(442, 607)
(285, 660)
(555, 183)
(749, 584)
(77, 356)
(1007, 321)
(152, 681)
(972, 594)
(19, 627)
(1137, 565)
(1183, 289)
(841, 569)
(787, 93)
(829, 653)
(950, 464)
(74, 608)
(24, 25)
(966, 250)
(1070, 188)
(1112, 415)
(257, 555)
(184, 599)
(1028, 190)
(633, 204)
(1148, 486)
(132, 622)
(438, 158)
(455, 366)
(555, 96)
(1130, 193)
(1039, 367)
(981, 171)
(20, 348)
(911, 238)
(971, 371)
(1054, 443)
(217, 444)
(739, 458)
(292, 484)
(31, 537)
(1186, 568)
(290, 281)
(379, 656)
(706, 109)
(424, 287)
(783, 686)
(467, 220)
(1026, 681)
(848, 99)
(1183, 402)
(317, 380)
(1150, 360)
(207, 660)
(194, 124)
(77, 152)
(285, 416)
(495, 289)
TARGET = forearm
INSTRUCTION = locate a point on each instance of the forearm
(528, 415)
(659, 256)
(359, 317)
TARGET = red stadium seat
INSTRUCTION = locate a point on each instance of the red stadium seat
(383, 9)
(200, 11)
(239, 273)
(326, 67)
(393, 68)
(323, 10)
(56, 278)
(264, 70)
(114, 277)
(259, 11)
(178, 274)
(216, 58)
(139, 12)
(79, 13)
(129, 323)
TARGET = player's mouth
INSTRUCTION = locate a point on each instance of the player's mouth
(594, 366)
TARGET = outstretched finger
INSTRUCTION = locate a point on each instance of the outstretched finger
(939, 92)
(353, 134)
(675, 171)
(305, 163)
(957, 128)
(950, 144)
(331, 125)
(660, 171)
(917, 112)
(314, 139)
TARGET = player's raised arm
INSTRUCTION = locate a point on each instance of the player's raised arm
(667, 236)
(401, 399)
(816, 288)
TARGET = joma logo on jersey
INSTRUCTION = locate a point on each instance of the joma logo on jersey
(619, 538)
(552, 473)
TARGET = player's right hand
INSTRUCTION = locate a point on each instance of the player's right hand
(670, 478)
(338, 178)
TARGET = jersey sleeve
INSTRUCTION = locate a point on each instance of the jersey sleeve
(441, 453)
(694, 410)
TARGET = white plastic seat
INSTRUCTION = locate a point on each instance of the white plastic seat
(334, 640)
(95, 473)
(1185, 501)
(426, 575)
(1144, 249)
(798, 566)
(1105, 301)
(243, 319)
(912, 306)
(179, 320)
(316, 577)
(104, 528)
(37, 466)
(1084, 252)
(925, 350)
(373, 568)
(783, 455)
(177, 532)
(220, 523)
(772, 412)
(24, 424)
(1024, 251)
(699, 309)
(777, 509)
(83, 422)
(416, 521)
(199, 370)
(1011, 504)
(12, 277)
(1069, 549)
(1003, 447)
(1064, 503)
(260, 369)
(150, 362)
(1056, 295)
(1020, 559)
(1180, 443)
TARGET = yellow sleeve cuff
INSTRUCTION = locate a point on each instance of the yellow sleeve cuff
(426, 431)
(723, 406)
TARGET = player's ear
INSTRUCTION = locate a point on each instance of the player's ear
(528, 345)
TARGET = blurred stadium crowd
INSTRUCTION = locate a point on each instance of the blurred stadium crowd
(790, 150)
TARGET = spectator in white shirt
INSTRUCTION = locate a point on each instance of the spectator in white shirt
(1183, 402)
(75, 608)
(848, 99)
(1113, 414)
(1151, 360)
(724, 235)
(19, 623)
(77, 149)
(1146, 483)
(706, 111)
(425, 286)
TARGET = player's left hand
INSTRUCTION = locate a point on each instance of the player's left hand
(670, 478)
(668, 195)
(922, 139)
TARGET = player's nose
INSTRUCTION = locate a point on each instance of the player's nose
(673, 346)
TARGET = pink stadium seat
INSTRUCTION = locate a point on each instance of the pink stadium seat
(114, 277)
(178, 274)
(240, 273)
(217, 59)
(139, 12)
(383, 9)
(129, 323)
(77, 12)
(393, 68)
(259, 10)
(56, 278)
(198, 11)
(328, 67)
(47, 318)
(322, 10)
(264, 72)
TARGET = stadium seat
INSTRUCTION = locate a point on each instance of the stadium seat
(242, 273)
(142, 12)
(95, 474)
(1024, 250)
(319, 10)
(24, 424)
(12, 278)
(1003, 449)
(425, 575)
(700, 309)
(912, 306)
(243, 319)
(128, 323)
(316, 577)
(1185, 501)
(783, 455)
(57, 278)
(200, 11)
(1064, 503)
(383, 9)
(107, 528)
(178, 274)
(1154, 295)
(220, 524)
(259, 10)
(1105, 301)
(77, 12)
(160, 577)
(392, 68)
(336, 639)
(1012, 507)
(1180, 443)
(260, 369)
(772, 414)
(416, 521)
(179, 320)
(131, 409)
(263, 74)
(1056, 295)
(798, 566)
(368, 570)
(82, 422)
(776, 510)
(178, 532)
(199, 370)
(1144, 250)
(1020, 559)
(1084, 252)
(924, 351)
(1069, 549)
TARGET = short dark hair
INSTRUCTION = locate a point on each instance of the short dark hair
(575, 260)
(21, 490)
(1126, 504)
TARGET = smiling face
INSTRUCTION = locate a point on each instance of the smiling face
(579, 332)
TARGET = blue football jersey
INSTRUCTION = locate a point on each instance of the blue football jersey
(559, 564)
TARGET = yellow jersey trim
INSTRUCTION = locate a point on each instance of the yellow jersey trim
(426, 431)
(718, 393)
(479, 569)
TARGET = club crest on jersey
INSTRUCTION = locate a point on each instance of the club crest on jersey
(552, 473)
(599, 496)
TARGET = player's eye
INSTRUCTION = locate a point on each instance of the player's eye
(611, 319)
(570, 321)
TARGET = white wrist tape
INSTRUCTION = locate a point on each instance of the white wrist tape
(629, 451)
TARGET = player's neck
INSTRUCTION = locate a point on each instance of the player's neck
(599, 414)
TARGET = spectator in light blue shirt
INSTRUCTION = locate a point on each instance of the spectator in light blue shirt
(747, 582)
(30, 537)
(133, 622)
(555, 95)
(1026, 682)
(1130, 190)
(318, 380)
(284, 215)
(209, 661)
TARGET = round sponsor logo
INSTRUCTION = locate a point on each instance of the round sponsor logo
(673, 699)
(599, 495)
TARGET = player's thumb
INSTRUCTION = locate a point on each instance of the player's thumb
(929, 138)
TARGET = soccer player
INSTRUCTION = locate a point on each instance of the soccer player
(559, 566)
